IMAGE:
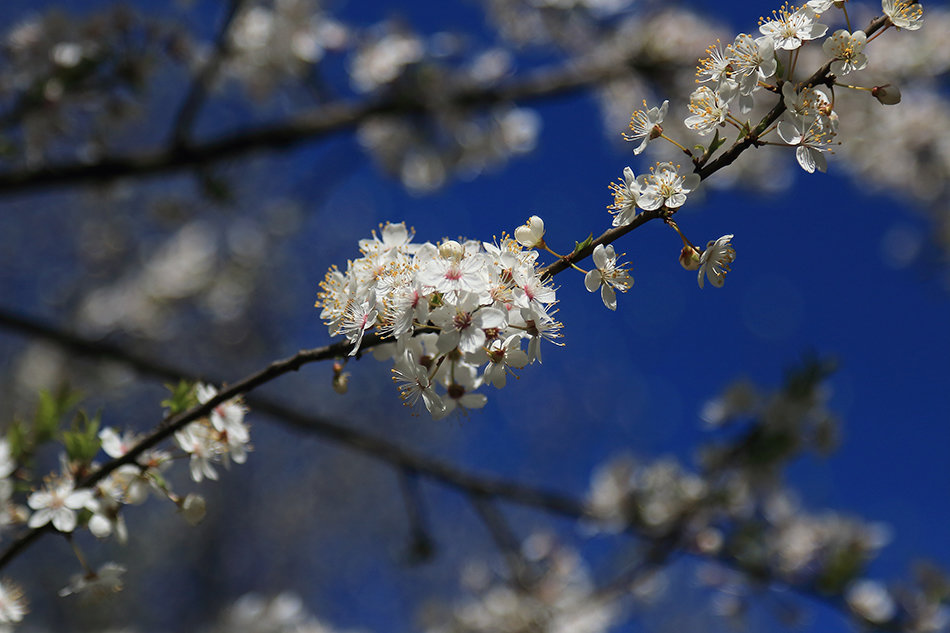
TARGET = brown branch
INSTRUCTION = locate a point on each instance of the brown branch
(357, 440)
(479, 488)
(821, 76)
(310, 126)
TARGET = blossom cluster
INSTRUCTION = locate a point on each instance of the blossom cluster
(554, 592)
(65, 505)
(461, 314)
(730, 78)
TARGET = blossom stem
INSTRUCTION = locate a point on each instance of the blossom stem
(736, 122)
(550, 250)
(878, 34)
(688, 153)
(79, 556)
(847, 20)
(671, 223)
(852, 87)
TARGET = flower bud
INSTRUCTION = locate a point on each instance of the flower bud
(887, 94)
(341, 382)
(193, 508)
(450, 249)
(689, 258)
(531, 233)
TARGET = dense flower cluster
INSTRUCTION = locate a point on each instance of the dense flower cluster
(458, 313)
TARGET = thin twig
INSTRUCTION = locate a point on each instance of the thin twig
(193, 101)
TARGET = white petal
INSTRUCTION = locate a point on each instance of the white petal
(592, 280)
(609, 296)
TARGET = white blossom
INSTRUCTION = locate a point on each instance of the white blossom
(608, 276)
(788, 30)
(57, 503)
(646, 125)
(106, 579)
(664, 186)
(715, 261)
(531, 233)
(475, 301)
(904, 14)
(847, 50)
(12, 603)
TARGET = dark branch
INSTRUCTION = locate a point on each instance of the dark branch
(307, 127)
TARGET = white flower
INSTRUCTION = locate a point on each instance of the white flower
(106, 579)
(463, 325)
(196, 440)
(709, 107)
(501, 356)
(788, 30)
(811, 139)
(904, 14)
(608, 276)
(539, 325)
(395, 237)
(531, 233)
(412, 380)
(226, 417)
(12, 603)
(115, 445)
(358, 317)
(664, 186)
(871, 601)
(714, 263)
(58, 504)
(717, 67)
(105, 517)
(626, 194)
(459, 392)
(456, 273)
(645, 125)
(752, 61)
(531, 288)
(847, 49)
(809, 103)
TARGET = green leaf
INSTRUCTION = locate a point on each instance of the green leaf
(578, 247)
(82, 440)
(50, 412)
(716, 143)
(181, 399)
(19, 437)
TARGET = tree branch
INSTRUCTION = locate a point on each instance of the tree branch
(199, 88)
(310, 126)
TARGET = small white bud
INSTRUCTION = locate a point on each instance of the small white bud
(341, 382)
(531, 233)
(193, 508)
(450, 249)
(887, 94)
(690, 258)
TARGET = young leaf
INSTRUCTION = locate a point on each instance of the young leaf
(578, 247)
(82, 440)
(181, 399)
(50, 411)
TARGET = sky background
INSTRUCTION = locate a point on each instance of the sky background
(815, 273)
